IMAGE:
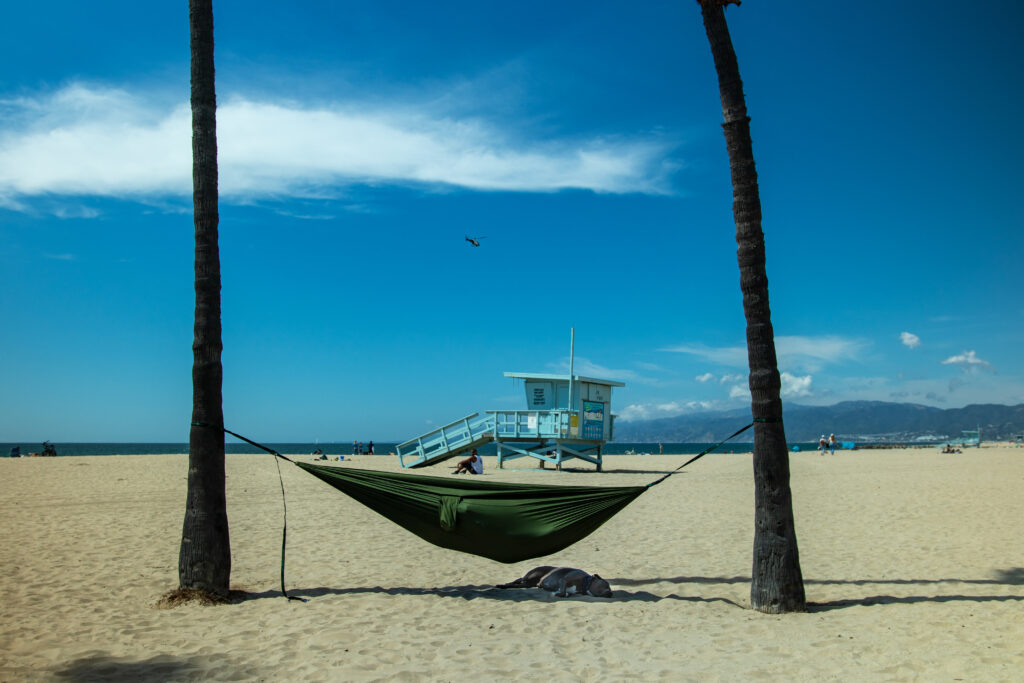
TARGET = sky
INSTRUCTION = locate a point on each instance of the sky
(361, 142)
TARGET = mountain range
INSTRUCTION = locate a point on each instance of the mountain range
(860, 421)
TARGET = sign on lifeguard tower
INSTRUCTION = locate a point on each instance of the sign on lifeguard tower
(566, 417)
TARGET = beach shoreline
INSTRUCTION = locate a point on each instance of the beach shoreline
(912, 562)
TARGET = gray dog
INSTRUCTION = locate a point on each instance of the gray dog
(565, 581)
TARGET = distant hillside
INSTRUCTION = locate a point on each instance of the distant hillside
(863, 421)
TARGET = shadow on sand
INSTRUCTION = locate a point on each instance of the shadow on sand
(1007, 577)
(102, 667)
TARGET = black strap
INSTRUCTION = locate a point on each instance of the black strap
(707, 450)
(284, 503)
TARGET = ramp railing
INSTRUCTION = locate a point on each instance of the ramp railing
(440, 443)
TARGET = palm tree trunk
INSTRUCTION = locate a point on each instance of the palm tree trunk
(777, 584)
(204, 562)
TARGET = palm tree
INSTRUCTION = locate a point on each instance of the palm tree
(204, 563)
(777, 584)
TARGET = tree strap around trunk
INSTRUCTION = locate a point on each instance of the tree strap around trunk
(284, 502)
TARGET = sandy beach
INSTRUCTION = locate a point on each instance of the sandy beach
(913, 563)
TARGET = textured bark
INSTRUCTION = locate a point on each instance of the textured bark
(777, 584)
(204, 562)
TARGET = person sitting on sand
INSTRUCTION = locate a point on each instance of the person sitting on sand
(474, 464)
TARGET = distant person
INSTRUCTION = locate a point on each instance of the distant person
(832, 443)
(471, 465)
(359, 448)
(16, 452)
(369, 448)
(354, 447)
(821, 445)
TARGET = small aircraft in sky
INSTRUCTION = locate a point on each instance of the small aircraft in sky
(475, 241)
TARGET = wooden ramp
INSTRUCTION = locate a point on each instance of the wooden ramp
(446, 442)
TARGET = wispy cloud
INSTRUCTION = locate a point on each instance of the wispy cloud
(807, 354)
(75, 212)
(84, 140)
(810, 354)
(706, 377)
(727, 355)
(587, 368)
(910, 340)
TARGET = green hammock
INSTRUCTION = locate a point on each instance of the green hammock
(498, 520)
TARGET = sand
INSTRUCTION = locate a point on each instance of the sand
(913, 564)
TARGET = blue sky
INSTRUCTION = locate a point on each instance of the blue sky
(360, 142)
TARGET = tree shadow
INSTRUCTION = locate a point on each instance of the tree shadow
(1004, 577)
(103, 667)
(906, 600)
(1011, 577)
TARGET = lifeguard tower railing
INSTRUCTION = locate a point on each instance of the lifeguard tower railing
(473, 431)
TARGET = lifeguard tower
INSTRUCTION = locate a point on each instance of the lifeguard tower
(566, 417)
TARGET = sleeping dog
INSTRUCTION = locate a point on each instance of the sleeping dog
(565, 581)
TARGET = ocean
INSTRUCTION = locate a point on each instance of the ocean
(383, 448)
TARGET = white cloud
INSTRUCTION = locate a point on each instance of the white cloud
(968, 361)
(633, 412)
(794, 387)
(83, 140)
(730, 378)
(911, 341)
(706, 377)
(739, 391)
(649, 411)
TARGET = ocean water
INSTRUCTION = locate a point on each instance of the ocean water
(232, 446)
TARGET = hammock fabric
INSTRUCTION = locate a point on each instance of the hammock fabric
(501, 521)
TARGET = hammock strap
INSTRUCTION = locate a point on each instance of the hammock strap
(711, 448)
(284, 502)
